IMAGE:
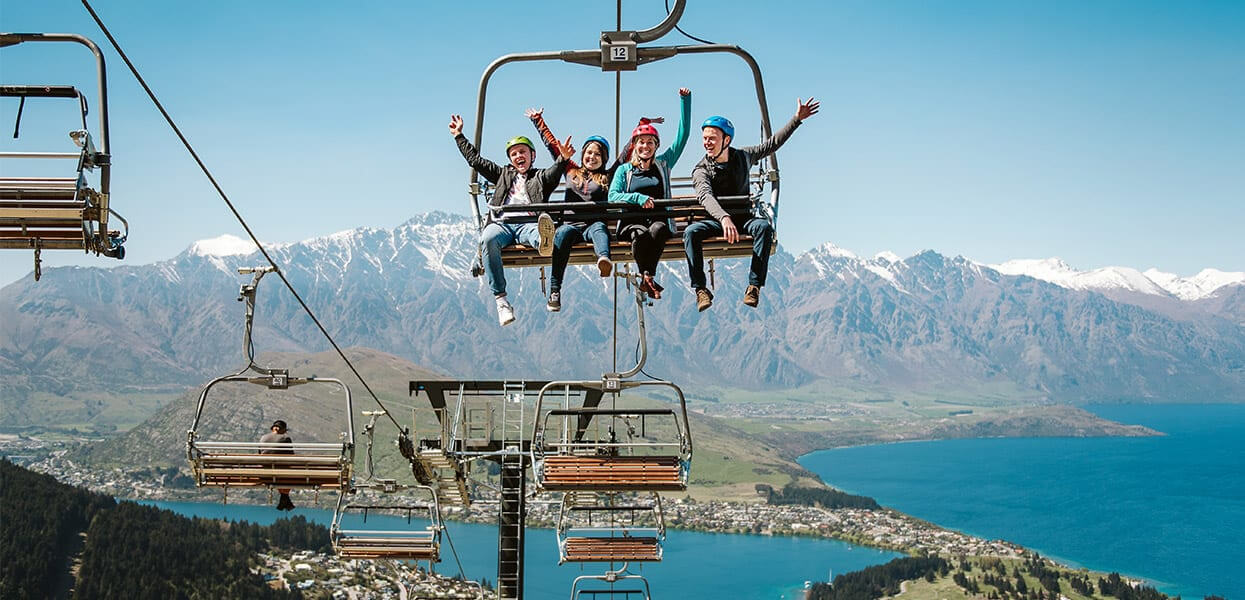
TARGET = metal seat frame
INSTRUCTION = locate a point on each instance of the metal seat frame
(61, 213)
(580, 540)
(244, 464)
(414, 545)
(763, 205)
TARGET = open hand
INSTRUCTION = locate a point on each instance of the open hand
(565, 149)
(657, 120)
(728, 229)
(807, 109)
(456, 125)
(685, 92)
(532, 113)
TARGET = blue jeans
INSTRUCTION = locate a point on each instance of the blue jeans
(569, 235)
(693, 243)
(498, 235)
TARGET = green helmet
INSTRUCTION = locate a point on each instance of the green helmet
(520, 140)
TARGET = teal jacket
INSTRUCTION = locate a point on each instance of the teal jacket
(620, 186)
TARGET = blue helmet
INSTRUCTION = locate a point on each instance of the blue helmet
(721, 123)
(600, 140)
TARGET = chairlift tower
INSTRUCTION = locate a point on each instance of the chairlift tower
(491, 419)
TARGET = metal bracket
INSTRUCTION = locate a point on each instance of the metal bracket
(278, 379)
(618, 51)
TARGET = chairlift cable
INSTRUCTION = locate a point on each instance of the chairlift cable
(280, 273)
(676, 26)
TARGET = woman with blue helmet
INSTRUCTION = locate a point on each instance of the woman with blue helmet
(587, 182)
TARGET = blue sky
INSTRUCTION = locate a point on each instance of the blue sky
(1106, 132)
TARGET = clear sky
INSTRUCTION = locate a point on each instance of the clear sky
(1108, 132)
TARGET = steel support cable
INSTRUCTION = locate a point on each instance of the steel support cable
(276, 269)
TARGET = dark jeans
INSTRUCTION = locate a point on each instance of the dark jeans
(693, 245)
(647, 244)
(570, 234)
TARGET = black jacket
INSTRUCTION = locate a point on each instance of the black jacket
(540, 182)
(712, 179)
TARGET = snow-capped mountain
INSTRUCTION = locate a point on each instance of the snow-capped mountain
(927, 321)
(1152, 282)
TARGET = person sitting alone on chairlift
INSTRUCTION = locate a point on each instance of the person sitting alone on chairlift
(516, 183)
(724, 172)
(644, 178)
(278, 435)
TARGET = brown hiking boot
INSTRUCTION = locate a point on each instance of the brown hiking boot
(703, 299)
(752, 296)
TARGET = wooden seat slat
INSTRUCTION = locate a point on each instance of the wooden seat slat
(594, 549)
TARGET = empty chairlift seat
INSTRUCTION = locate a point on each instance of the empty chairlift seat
(610, 527)
(570, 460)
(352, 538)
(67, 212)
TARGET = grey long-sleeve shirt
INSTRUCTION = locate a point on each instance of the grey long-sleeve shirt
(713, 179)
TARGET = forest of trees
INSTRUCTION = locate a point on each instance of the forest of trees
(823, 497)
(42, 520)
(880, 580)
(130, 551)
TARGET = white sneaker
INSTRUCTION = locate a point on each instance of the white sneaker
(605, 265)
(505, 312)
(544, 227)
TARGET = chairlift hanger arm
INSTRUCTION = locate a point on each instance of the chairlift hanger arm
(645, 55)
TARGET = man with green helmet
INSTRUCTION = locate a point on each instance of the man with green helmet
(515, 183)
(724, 172)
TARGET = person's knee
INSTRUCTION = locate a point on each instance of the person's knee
(698, 231)
(760, 228)
(565, 236)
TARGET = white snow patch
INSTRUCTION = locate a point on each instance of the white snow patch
(887, 256)
(225, 245)
(829, 249)
(1199, 286)
(1153, 281)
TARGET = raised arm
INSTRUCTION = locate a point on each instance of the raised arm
(672, 154)
(537, 115)
(768, 147)
(489, 169)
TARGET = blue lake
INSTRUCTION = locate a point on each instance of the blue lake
(696, 565)
(1169, 509)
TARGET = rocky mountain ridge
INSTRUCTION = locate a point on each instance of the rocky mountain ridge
(924, 320)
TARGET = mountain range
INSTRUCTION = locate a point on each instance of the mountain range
(1038, 328)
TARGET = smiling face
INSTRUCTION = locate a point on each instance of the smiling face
(645, 147)
(593, 158)
(520, 157)
(714, 140)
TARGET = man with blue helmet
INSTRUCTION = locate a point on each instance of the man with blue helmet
(516, 183)
(724, 172)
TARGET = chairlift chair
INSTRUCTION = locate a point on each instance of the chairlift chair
(566, 458)
(228, 464)
(402, 544)
(67, 212)
(619, 533)
(619, 51)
